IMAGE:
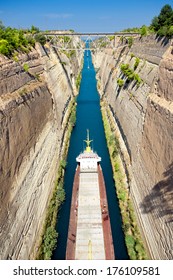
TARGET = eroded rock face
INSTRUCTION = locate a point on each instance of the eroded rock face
(12, 74)
(144, 114)
(33, 106)
(165, 81)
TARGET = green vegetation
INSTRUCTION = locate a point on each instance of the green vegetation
(103, 44)
(130, 42)
(78, 80)
(26, 67)
(67, 39)
(133, 240)
(63, 163)
(143, 30)
(137, 79)
(14, 40)
(69, 54)
(49, 242)
(63, 63)
(15, 58)
(163, 23)
(72, 53)
(137, 60)
(40, 38)
(73, 117)
(37, 76)
(132, 55)
(49, 235)
(34, 29)
(129, 73)
(23, 91)
(120, 82)
(111, 38)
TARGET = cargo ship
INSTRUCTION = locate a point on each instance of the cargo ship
(89, 233)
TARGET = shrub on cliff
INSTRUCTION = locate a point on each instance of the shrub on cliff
(78, 80)
(50, 240)
(130, 41)
(34, 29)
(120, 82)
(63, 163)
(4, 47)
(26, 67)
(40, 39)
(12, 39)
(73, 118)
(143, 30)
(129, 73)
(137, 60)
(137, 79)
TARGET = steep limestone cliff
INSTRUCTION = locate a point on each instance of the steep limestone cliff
(35, 92)
(144, 114)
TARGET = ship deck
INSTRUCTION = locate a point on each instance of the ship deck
(89, 235)
(89, 240)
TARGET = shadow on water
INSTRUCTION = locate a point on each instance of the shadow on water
(161, 196)
(89, 117)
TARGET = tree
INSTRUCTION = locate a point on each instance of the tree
(155, 23)
(163, 22)
(165, 16)
(170, 31)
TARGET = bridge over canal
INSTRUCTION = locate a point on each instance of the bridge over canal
(62, 40)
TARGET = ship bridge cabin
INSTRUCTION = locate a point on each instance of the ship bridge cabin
(88, 160)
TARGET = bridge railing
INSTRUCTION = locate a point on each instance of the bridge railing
(94, 40)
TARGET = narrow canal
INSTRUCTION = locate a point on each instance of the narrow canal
(89, 117)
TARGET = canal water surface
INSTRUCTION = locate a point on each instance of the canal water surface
(89, 117)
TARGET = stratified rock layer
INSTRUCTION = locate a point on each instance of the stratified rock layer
(144, 114)
(33, 109)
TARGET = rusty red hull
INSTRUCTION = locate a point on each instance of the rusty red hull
(71, 241)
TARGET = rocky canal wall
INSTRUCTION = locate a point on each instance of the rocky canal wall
(35, 91)
(142, 107)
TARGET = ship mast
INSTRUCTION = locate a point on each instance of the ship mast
(88, 141)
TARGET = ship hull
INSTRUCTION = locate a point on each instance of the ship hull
(89, 234)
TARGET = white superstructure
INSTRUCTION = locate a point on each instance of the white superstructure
(88, 159)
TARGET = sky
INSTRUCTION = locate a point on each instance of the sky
(80, 15)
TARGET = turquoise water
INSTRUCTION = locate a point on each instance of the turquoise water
(89, 117)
